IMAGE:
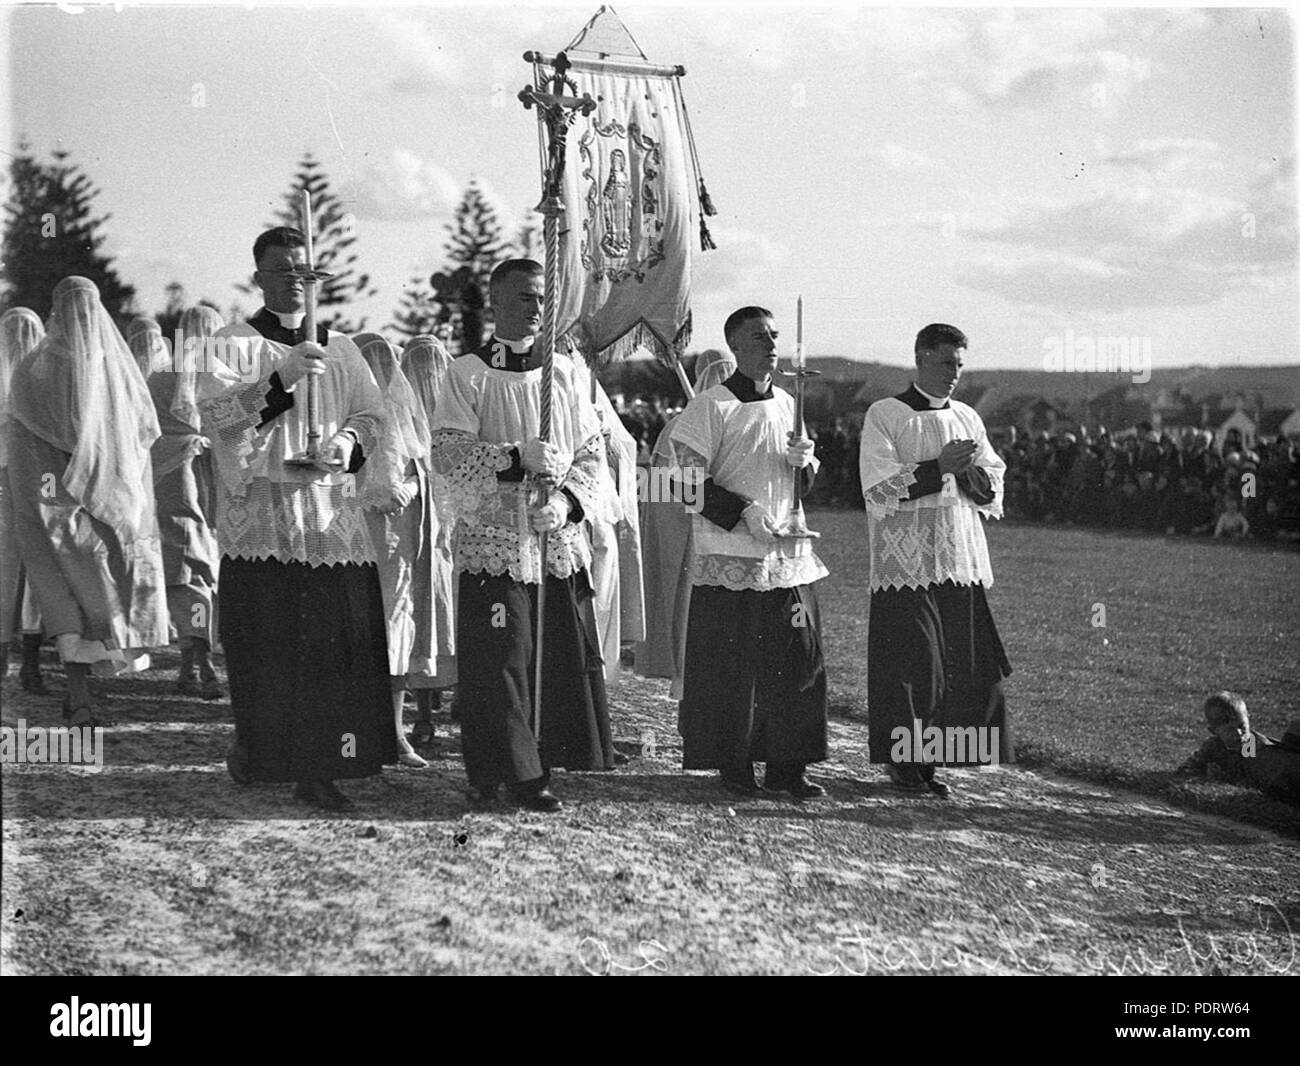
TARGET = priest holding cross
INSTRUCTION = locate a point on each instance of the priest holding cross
(302, 619)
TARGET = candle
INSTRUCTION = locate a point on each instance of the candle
(798, 334)
(306, 227)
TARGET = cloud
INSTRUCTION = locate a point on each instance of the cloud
(1143, 243)
(406, 188)
(1165, 157)
(896, 157)
(740, 262)
(423, 63)
(1013, 58)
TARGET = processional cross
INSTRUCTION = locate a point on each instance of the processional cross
(556, 110)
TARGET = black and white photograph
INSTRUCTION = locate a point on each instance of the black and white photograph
(701, 489)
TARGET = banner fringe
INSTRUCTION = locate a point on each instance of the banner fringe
(638, 335)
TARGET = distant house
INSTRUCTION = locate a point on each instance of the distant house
(1279, 422)
(1243, 424)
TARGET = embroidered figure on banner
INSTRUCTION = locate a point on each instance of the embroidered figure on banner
(622, 231)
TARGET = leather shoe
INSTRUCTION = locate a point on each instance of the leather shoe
(940, 788)
(906, 778)
(237, 765)
(323, 794)
(799, 787)
(739, 782)
(543, 800)
(481, 795)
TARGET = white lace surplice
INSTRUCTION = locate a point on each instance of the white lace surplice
(936, 538)
(482, 413)
(265, 509)
(741, 446)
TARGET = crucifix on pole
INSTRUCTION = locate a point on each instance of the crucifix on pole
(557, 106)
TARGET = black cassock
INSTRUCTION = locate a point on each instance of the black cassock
(934, 655)
(495, 656)
(754, 684)
(306, 650)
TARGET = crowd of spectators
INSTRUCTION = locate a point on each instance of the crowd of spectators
(1160, 482)
(1141, 479)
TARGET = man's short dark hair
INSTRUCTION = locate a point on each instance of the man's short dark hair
(738, 318)
(1226, 708)
(280, 237)
(938, 333)
(504, 271)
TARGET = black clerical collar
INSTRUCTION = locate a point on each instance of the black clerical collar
(268, 325)
(516, 356)
(919, 401)
(744, 389)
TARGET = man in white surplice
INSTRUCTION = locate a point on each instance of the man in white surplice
(934, 657)
(485, 443)
(754, 686)
(302, 617)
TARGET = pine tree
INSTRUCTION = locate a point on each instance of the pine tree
(50, 233)
(419, 311)
(332, 239)
(475, 246)
(528, 241)
(169, 318)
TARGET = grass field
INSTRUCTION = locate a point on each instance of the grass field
(1119, 703)
(159, 864)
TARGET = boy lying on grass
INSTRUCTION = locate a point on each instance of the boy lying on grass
(1239, 755)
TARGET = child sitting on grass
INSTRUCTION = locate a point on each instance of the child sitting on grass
(1232, 523)
(1237, 754)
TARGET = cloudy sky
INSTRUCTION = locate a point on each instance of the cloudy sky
(1018, 172)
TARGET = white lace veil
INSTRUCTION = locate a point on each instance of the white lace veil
(406, 435)
(145, 339)
(21, 330)
(425, 362)
(80, 391)
(712, 367)
(198, 326)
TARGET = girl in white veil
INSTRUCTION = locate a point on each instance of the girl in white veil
(21, 330)
(82, 424)
(425, 362)
(395, 494)
(185, 492)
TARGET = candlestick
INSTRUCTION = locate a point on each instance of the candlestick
(798, 334)
(306, 228)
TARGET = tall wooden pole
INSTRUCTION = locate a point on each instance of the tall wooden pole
(556, 111)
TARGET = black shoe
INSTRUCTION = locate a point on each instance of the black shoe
(906, 778)
(739, 782)
(940, 788)
(323, 794)
(32, 681)
(799, 787)
(237, 765)
(421, 734)
(620, 759)
(481, 796)
(543, 800)
(188, 686)
(212, 689)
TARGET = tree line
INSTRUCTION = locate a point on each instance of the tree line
(51, 231)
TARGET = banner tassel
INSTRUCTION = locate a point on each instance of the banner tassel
(706, 201)
(706, 238)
